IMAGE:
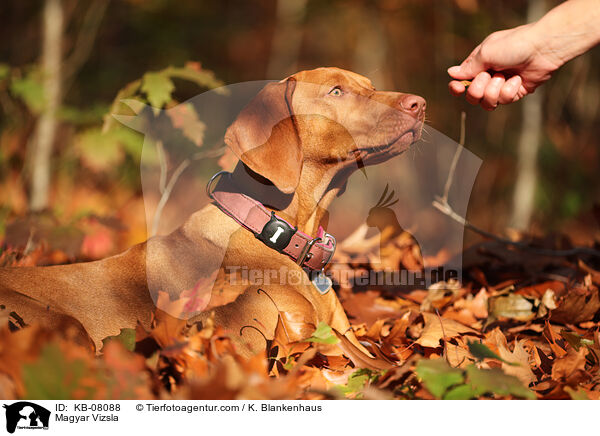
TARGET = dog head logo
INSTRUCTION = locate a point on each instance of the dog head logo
(26, 415)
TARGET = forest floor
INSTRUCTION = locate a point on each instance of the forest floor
(520, 325)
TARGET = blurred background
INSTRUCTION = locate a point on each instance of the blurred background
(70, 178)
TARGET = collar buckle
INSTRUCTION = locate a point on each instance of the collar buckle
(306, 254)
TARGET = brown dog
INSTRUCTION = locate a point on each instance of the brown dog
(298, 141)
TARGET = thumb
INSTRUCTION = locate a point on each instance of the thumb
(467, 70)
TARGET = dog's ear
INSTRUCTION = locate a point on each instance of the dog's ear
(265, 136)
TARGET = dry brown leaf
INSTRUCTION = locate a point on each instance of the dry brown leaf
(595, 275)
(359, 358)
(368, 307)
(458, 355)
(511, 306)
(479, 305)
(519, 356)
(566, 366)
(577, 305)
(433, 331)
(556, 342)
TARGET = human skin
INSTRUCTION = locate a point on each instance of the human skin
(512, 63)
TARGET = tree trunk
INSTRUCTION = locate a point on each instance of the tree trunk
(529, 143)
(40, 145)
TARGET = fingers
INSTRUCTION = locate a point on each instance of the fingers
(456, 87)
(510, 89)
(469, 68)
(491, 93)
(477, 88)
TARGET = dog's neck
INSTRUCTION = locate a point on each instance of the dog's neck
(306, 207)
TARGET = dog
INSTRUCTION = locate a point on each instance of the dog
(297, 142)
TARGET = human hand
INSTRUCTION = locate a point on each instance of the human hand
(505, 67)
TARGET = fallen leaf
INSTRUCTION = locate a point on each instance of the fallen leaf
(496, 381)
(565, 366)
(438, 376)
(437, 328)
(511, 306)
(577, 305)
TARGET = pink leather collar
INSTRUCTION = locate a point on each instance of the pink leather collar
(273, 231)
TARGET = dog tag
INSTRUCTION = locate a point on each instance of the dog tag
(321, 282)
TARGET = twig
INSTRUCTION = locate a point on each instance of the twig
(85, 39)
(162, 161)
(447, 210)
(168, 189)
(441, 204)
(166, 194)
(457, 153)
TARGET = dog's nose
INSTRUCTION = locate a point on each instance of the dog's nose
(413, 104)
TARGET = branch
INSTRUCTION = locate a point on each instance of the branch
(162, 161)
(168, 189)
(441, 204)
(166, 194)
(85, 39)
(457, 153)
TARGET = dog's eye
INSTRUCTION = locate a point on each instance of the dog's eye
(336, 92)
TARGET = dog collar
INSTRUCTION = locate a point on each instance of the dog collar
(270, 229)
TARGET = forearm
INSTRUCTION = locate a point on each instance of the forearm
(568, 30)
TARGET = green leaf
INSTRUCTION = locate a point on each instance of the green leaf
(103, 151)
(125, 337)
(130, 140)
(323, 335)
(357, 381)
(29, 89)
(438, 376)
(53, 377)
(289, 364)
(575, 340)
(460, 392)
(158, 88)
(125, 93)
(494, 381)
(4, 71)
(481, 351)
(79, 116)
(99, 151)
(203, 78)
(576, 394)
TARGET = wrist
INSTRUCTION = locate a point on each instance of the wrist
(567, 31)
(547, 46)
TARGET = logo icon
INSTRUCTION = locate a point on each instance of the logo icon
(26, 415)
(278, 232)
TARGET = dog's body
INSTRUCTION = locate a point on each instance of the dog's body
(302, 147)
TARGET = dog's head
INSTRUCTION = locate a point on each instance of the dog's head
(329, 117)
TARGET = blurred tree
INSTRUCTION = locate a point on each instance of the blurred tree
(40, 145)
(56, 75)
(532, 127)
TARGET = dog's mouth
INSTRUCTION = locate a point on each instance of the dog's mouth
(394, 147)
